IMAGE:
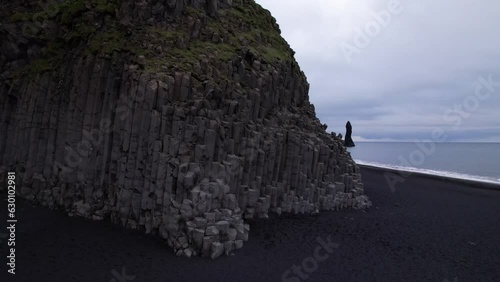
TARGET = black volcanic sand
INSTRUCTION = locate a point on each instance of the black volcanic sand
(427, 230)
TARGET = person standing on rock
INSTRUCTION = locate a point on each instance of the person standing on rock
(348, 139)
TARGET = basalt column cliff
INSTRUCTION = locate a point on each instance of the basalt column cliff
(180, 118)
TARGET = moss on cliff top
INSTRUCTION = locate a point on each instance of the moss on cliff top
(58, 28)
(180, 45)
(219, 38)
(258, 27)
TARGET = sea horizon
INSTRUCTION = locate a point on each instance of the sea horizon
(417, 141)
(460, 160)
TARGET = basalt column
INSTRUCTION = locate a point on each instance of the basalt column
(152, 115)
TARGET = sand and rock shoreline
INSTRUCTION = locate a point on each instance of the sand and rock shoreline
(426, 230)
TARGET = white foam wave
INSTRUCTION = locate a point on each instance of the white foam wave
(449, 174)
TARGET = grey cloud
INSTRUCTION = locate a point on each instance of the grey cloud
(423, 63)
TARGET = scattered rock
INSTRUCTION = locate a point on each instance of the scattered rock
(141, 60)
(217, 250)
(211, 231)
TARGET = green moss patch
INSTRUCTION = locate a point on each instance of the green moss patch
(71, 11)
(108, 42)
(219, 38)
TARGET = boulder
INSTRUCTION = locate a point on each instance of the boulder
(217, 250)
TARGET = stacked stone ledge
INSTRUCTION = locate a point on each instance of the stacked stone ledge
(190, 162)
(189, 169)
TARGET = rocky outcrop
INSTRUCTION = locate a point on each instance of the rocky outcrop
(348, 138)
(164, 123)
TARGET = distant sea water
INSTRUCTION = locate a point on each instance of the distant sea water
(472, 161)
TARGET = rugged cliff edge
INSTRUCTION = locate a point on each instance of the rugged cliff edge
(180, 118)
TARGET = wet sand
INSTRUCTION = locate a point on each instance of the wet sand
(428, 229)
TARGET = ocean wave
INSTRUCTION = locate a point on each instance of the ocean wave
(449, 174)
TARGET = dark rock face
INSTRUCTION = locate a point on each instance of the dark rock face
(185, 141)
(348, 132)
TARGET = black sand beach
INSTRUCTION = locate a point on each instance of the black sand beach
(426, 230)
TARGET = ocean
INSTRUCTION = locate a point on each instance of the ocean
(472, 161)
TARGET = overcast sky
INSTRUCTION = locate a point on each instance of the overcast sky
(400, 70)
